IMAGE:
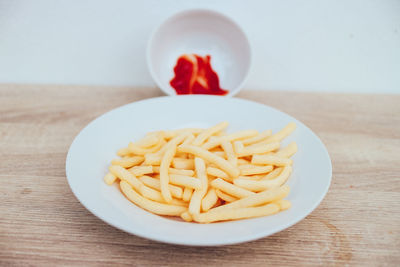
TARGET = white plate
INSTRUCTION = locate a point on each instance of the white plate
(94, 147)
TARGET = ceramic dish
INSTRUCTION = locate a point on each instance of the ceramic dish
(94, 147)
(203, 32)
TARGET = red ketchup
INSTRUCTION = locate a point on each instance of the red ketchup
(194, 75)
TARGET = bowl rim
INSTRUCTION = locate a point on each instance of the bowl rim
(186, 12)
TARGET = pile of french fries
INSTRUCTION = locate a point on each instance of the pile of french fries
(206, 175)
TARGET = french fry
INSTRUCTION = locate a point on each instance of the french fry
(137, 150)
(238, 147)
(128, 162)
(164, 175)
(209, 200)
(189, 139)
(270, 160)
(250, 169)
(250, 177)
(187, 194)
(156, 169)
(251, 185)
(287, 151)
(241, 135)
(217, 141)
(180, 163)
(235, 214)
(155, 195)
(151, 194)
(123, 152)
(212, 142)
(181, 172)
(198, 194)
(258, 138)
(283, 204)
(186, 181)
(175, 141)
(173, 133)
(230, 154)
(186, 216)
(203, 136)
(179, 202)
(141, 170)
(225, 197)
(110, 178)
(257, 199)
(170, 134)
(272, 174)
(154, 183)
(210, 157)
(152, 158)
(230, 189)
(170, 150)
(218, 173)
(257, 149)
(282, 134)
(149, 140)
(152, 206)
(280, 179)
(265, 184)
(125, 175)
(221, 133)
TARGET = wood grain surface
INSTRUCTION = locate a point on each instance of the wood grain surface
(43, 224)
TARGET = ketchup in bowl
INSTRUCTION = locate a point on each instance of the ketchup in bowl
(194, 75)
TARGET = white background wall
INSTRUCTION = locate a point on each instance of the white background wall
(310, 45)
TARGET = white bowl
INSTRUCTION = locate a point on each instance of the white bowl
(201, 32)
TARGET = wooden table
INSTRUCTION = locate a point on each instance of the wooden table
(42, 223)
